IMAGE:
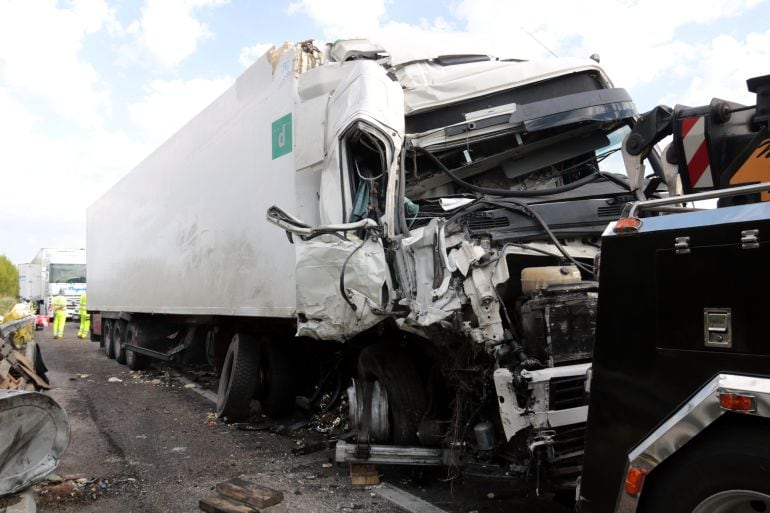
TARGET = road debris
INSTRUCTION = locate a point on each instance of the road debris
(74, 489)
(113, 379)
(35, 432)
(241, 496)
(17, 372)
(364, 474)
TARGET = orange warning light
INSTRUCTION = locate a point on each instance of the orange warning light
(628, 225)
(737, 402)
(634, 480)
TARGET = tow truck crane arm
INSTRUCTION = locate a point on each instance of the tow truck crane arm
(719, 145)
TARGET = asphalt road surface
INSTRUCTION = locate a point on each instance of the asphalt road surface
(147, 443)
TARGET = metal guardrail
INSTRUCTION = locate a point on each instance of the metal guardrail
(9, 327)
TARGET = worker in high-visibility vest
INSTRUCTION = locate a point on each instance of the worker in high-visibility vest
(59, 314)
(85, 318)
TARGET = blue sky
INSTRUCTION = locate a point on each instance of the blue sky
(90, 87)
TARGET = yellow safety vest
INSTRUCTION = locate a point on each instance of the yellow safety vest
(60, 303)
(83, 308)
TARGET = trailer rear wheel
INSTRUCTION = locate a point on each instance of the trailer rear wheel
(726, 473)
(238, 378)
(407, 400)
(107, 336)
(118, 338)
(135, 361)
(275, 388)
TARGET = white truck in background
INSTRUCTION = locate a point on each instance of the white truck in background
(432, 265)
(54, 270)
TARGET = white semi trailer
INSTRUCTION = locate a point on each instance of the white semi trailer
(415, 238)
(54, 270)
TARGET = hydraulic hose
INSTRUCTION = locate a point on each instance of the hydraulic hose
(506, 204)
(342, 274)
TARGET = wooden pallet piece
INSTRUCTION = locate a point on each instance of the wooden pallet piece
(21, 364)
(250, 493)
(364, 474)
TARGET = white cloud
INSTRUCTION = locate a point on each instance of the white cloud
(343, 18)
(168, 31)
(636, 39)
(169, 104)
(722, 68)
(53, 179)
(40, 46)
(250, 54)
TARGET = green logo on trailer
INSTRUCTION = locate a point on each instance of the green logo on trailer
(282, 136)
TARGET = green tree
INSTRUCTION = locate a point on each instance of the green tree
(9, 278)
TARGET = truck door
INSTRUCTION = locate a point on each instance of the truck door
(363, 134)
(343, 279)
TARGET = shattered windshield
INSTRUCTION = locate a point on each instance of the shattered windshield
(509, 161)
(610, 158)
(572, 176)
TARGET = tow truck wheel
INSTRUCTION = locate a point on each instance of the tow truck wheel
(118, 337)
(728, 472)
(107, 336)
(135, 361)
(275, 388)
(238, 378)
(407, 402)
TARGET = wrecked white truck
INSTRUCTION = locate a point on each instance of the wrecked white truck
(443, 217)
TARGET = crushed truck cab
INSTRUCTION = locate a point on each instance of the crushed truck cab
(461, 202)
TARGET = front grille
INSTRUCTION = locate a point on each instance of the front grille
(568, 446)
(567, 392)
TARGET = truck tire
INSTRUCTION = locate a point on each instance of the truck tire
(407, 400)
(728, 471)
(107, 336)
(238, 378)
(135, 361)
(276, 388)
(118, 338)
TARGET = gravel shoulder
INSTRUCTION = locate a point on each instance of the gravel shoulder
(146, 443)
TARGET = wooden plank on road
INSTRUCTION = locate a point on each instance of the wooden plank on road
(250, 493)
